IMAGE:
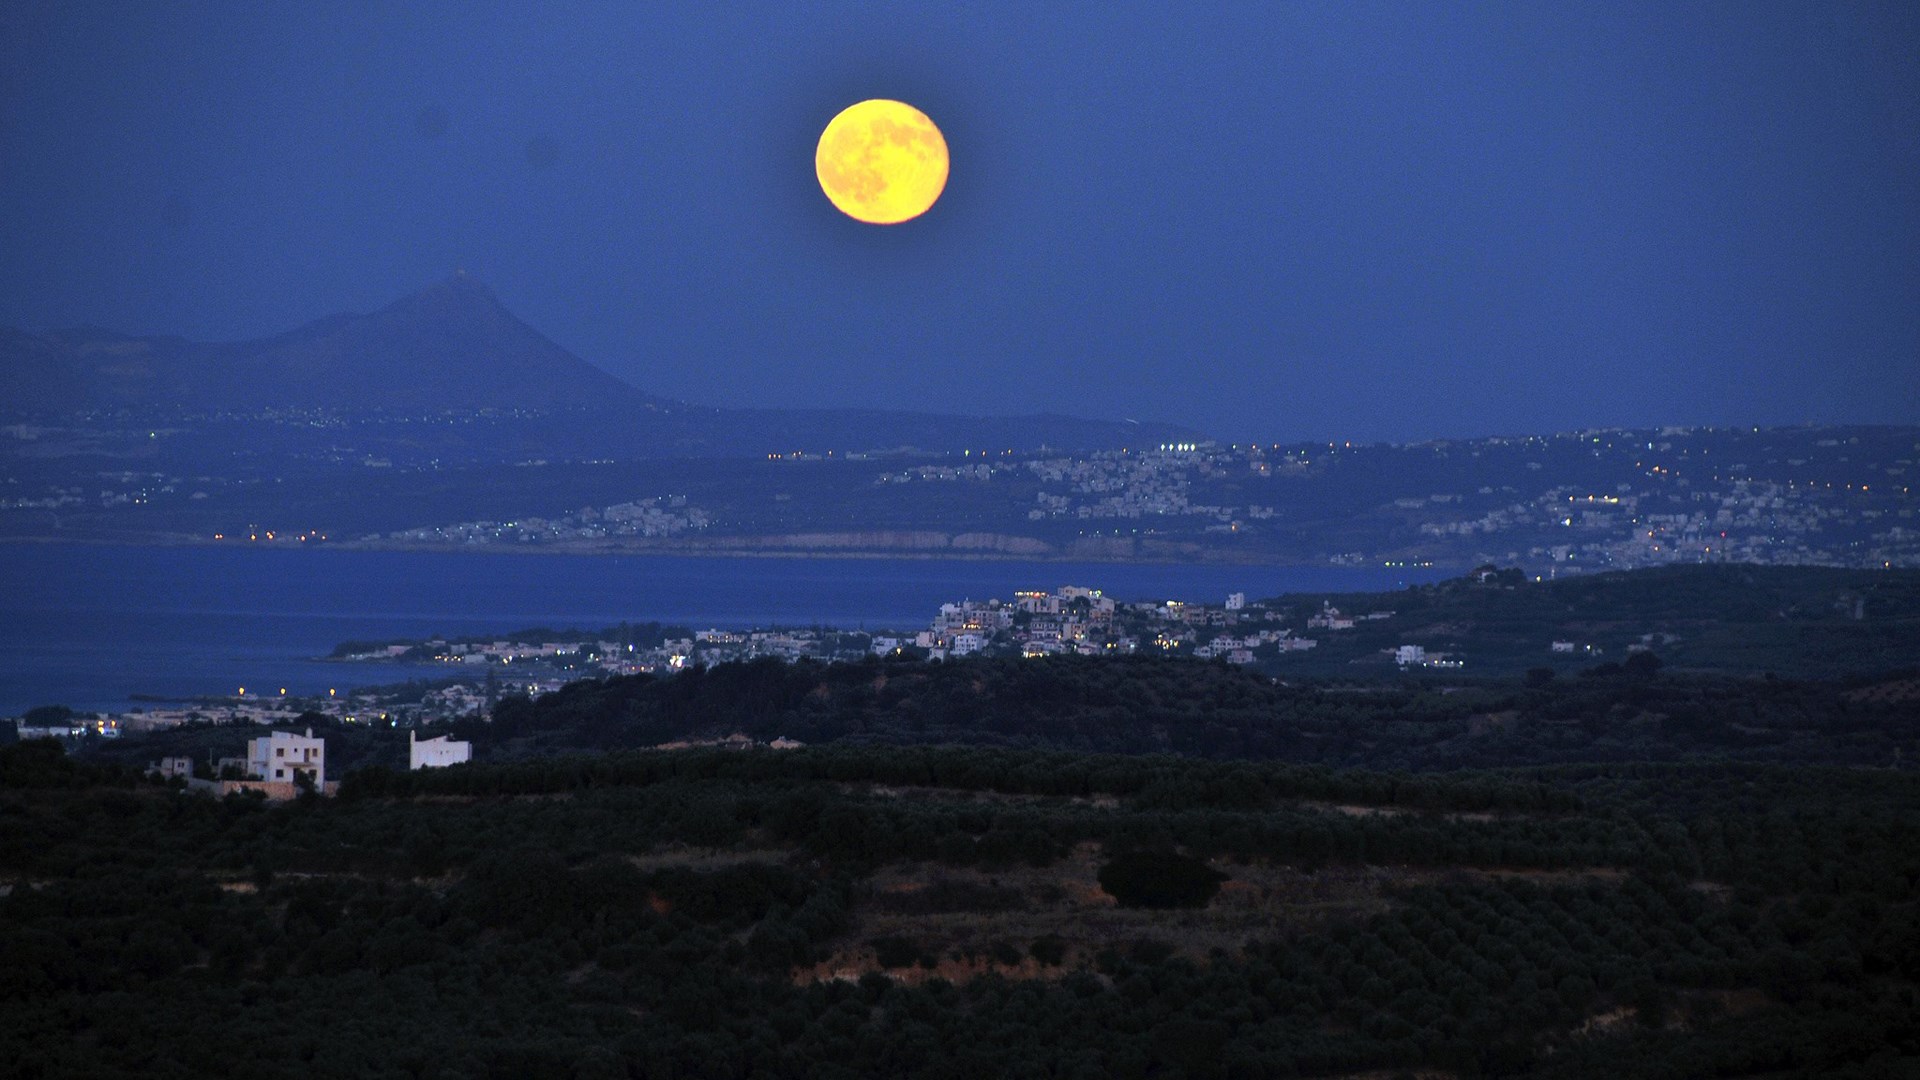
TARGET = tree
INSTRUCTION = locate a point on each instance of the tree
(46, 716)
(1160, 879)
(37, 763)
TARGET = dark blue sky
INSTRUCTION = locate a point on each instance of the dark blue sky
(1268, 220)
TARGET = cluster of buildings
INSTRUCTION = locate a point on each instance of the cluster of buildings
(1411, 656)
(1073, 620)
(77, 726)
(1745, 522)
(647, 518)
(118, 488)
(1126, 485)
(286, 764)
(1685, 504)
(1070, 620)
(1673, 496)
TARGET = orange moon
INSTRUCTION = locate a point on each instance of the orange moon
(882, 162)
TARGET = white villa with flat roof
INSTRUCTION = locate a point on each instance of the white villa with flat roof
(282, 756)
(436, 753)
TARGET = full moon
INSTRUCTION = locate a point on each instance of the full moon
(881, 162)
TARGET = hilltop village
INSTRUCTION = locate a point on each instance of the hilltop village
(1070, 620)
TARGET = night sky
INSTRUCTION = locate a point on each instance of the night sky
(1276, 221)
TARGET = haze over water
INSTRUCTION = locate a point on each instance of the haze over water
(89, 626)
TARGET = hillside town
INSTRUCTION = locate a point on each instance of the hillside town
(1569, 503)
(662, 516)
(1070, 620)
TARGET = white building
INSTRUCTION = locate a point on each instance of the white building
(436, 753)
(283, 756)
(967, 643)
(1330, 618)
(1407, 655)
(1236, 601)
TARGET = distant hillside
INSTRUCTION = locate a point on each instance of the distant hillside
(1797, 621)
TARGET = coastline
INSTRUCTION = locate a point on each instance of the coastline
(748, 547)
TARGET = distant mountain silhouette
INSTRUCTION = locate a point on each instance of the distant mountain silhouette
(448, 346)
(453, 347)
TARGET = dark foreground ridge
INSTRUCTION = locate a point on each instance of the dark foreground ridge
(1630, 712)
(958, 912)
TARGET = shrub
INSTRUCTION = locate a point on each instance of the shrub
(895, 952)
(1160, 879)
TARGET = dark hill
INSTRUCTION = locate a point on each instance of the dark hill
(1737, 619)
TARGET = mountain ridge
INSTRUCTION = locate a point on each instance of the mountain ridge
(451, 345)
(454, 347)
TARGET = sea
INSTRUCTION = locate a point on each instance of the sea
(104, 628)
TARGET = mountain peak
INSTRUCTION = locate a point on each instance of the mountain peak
(461, 283)
(451, 345)
(458, 292)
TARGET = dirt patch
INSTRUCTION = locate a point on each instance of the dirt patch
(1737, 1002)
(1896, 692)
(1484, 723)
(1394, 1074)
(1355, 810)
(1609, 1021)
(1577, 876)
(946, 794)
(693, 858)
(1064, 906)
